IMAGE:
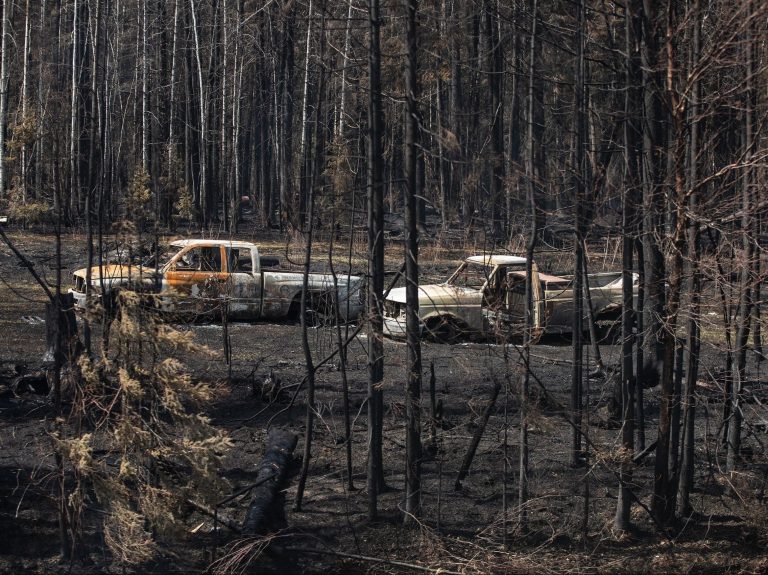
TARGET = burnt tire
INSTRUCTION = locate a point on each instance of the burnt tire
(319, 310)
(445, 330)
(322, 310)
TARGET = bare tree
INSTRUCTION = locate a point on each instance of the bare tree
(578, 244)
(747, 260)
(284, 116)
(685, 482)
(496, 112)
(4, 73)
(629, 227)
(200, 186)
(654, 128)
(25, 78)
(529, 311)
(413, 447)
(375, 186)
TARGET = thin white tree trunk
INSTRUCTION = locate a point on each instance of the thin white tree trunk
(413, 448)
(74, 195)
(144, 90)
(203, 127)
(237, 86)
(25, 98)
(345, 60)
(528, 338)
(4, 90)
(277, 142)
(40, 146)
(304, 103)
(172, 98)
(224, 157)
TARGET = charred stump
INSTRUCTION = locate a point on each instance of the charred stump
(35, 382)
(62, 342)
(265, 509)
(63, 345)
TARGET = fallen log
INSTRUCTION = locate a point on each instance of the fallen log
(640, 456)
(477, 436)
(271, 472)
(371, 559)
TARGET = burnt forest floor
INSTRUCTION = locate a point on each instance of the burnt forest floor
(461, 530)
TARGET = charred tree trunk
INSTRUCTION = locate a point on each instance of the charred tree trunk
(315, 177)
(747, 262)
(376, 264)
(144, 59)
(73, 200)
(594, 335)
(455, 104)
(25, 74)
(578, 247)
(534, 223)
(413, 447)
(629, 229)
(342, 349)
(171, 145)
(285, 122)
(4, 65)
(201, 177)
(495, 84)
(653, 198)
(665, 486)
(624, 502)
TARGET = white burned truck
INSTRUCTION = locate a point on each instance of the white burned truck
(485, 297)
(205, 277)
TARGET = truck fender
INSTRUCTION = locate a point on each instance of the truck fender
(320, 309)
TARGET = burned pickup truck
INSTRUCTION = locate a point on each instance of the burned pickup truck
(485, 297)
(205, 277)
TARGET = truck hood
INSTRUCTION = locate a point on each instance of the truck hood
(115, 271)
(439, 295)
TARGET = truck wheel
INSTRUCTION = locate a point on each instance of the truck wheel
(444, 330)
(320, 310)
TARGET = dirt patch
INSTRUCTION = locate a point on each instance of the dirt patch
(463, 530)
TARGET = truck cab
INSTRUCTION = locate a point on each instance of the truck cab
(460, 306)
(197, 277)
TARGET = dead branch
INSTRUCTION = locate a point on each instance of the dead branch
(223, 519)
(372, 560)
(27, 264)
(477, 436)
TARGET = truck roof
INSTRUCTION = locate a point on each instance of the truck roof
(496, 260)
(204, 242)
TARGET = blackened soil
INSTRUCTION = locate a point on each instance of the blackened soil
(473, 529)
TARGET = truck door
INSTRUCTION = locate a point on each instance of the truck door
(244, 283)
(195, 280)
(515, 302)
(538, 304)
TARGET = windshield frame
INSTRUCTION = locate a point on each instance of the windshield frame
(464, 265)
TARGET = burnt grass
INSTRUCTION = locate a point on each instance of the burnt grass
(461, 530)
